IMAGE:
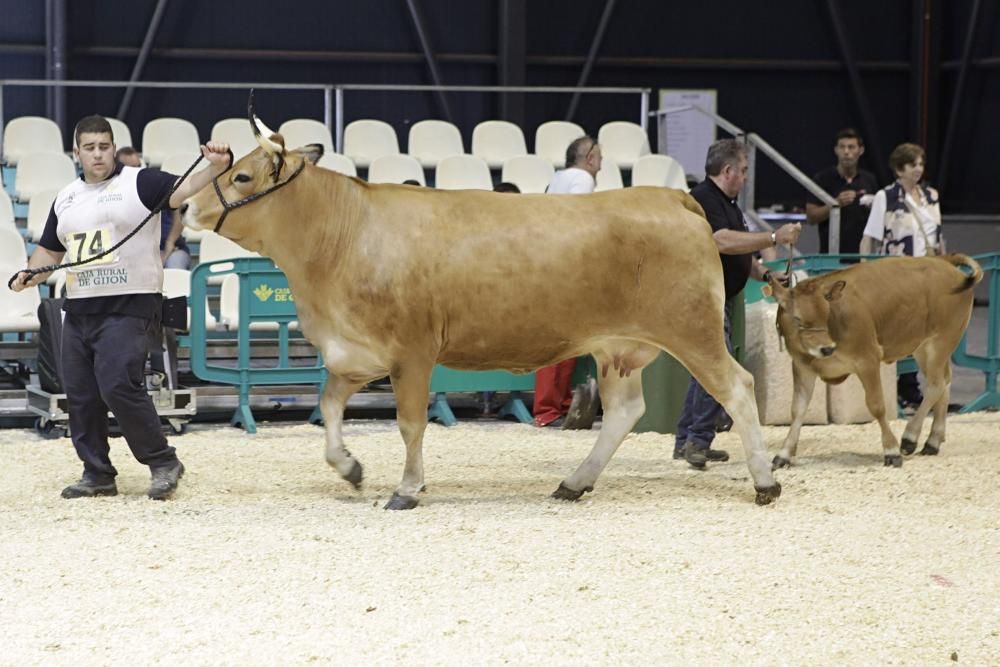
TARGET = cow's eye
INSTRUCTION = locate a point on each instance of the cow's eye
(241, 178)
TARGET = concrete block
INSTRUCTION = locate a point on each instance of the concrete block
(846, 401)
(771, 367)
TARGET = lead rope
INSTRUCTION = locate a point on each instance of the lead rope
(159, 207)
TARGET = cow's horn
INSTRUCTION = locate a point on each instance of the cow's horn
(262, 133)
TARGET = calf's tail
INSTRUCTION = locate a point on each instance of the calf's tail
(971, 279)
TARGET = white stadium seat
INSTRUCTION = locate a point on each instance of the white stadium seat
(38, 212)
(177, 282)
(623, 141)
(237, 133)
(42, 171)
(30, 134)
(530, 173)
(395, 169)
(178, 163)
(496, 141)
(339, 163)
(300, 132)
(121, 135)
(661, 170)
(229, 308)
(18, 310)
(431, 140)
(164, 136)
(215, 247)
(365, 140)
(6, 211)
(553, 138)
(609, 177)
(463, 172)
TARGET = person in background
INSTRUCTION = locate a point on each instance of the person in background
(553, 391)
(726, 171)
(905, 220)
(853, 188)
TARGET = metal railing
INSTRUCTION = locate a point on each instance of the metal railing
(333, 94)
(754, 143)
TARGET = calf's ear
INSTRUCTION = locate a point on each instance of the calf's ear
(834, 292)
(311, 152)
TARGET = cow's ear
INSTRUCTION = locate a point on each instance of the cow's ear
(777, 290)
(834, 292)
(311, 152)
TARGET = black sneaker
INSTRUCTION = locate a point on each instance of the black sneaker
(583, 407)
(678, 454)
(165, 481)
(697, 457)
(86, 488)
(717, 455)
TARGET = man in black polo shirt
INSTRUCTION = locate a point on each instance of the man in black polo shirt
(726, 169)
(853, 189)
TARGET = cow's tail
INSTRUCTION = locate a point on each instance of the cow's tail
(971, 279)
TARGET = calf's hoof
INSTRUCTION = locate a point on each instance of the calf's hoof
(355, 476)
(929, 450)
(780, 461)
(894, 460)
(566, 493)
(907, 446)
(767, 494)
(398, 502)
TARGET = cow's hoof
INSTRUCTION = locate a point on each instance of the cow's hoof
(907, 446)
(566, 493)
(780, 462)
(355, 476)
(398, 502)
(929, 450)
(767, 494)
(894, 460)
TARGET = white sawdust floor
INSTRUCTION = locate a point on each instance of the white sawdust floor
(266, 557)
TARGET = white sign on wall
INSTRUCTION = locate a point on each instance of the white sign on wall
(689, 133)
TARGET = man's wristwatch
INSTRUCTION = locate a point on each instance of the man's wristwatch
(774, 238)
(766, 277)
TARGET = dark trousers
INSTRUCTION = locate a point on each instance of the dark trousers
(698, 418)
(908, 388)
(104, 360)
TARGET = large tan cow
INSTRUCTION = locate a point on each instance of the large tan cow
(851, 321)
(391, 279)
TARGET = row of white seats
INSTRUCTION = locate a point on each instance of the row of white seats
(364, 140)
(531, 173)
(429, 141)
(495, 141)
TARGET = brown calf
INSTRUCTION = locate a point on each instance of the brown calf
(852, 320)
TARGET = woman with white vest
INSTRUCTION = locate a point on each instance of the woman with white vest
(113, 304)
(905, 219)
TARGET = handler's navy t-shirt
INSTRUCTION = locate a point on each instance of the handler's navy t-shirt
(723, 213)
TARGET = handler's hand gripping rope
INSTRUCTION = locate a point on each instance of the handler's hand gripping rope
(159, 207)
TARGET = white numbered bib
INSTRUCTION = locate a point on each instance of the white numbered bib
(83, 246)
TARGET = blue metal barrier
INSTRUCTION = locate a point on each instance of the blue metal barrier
(988, 364)
(265, 297)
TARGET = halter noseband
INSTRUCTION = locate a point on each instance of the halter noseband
(227, 207)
